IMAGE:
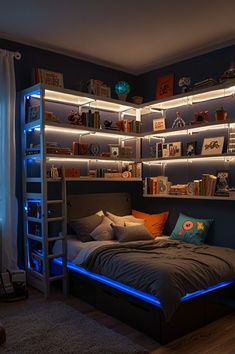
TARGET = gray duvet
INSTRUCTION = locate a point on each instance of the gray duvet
(165, 269)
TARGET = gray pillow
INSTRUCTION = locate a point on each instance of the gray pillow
(131, 233)
(84, 226)
(103, 231)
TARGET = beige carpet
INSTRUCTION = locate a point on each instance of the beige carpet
(54, 327)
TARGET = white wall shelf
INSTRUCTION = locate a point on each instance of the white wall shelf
(178, 196)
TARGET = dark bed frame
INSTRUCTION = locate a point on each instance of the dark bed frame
(191, 314)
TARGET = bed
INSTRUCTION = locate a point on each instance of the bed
(165, 288)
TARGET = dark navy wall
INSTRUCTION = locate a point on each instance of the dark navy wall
(210, 65)
(73, 69)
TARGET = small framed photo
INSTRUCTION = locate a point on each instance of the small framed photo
(213, 146)
(175, 149)
(191, 148)
(222, 184)
(114, 151)
(165, 86)
(165, 150)
(159, 124)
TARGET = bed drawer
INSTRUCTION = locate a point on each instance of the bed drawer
(131, 311)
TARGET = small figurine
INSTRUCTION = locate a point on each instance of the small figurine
(54, 172)
(107, 124)
(74, 118)
(200, 117)
(178, 122)
(221, 114)
(184, 83)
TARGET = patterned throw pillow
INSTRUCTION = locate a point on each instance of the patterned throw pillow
(155, 223)
(191, 230)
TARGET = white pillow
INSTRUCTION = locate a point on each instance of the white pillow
(103, 231)
(120, 220)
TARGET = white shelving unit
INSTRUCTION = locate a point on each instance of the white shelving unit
(39, 205)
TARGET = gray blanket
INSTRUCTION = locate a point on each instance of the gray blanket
(165, 269)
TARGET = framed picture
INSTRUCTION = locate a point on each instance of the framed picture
(48, 77)
(159, 124)
(191, 148)
(213, 146)
(165, 150)
(165, 86)
(114, 151)
(175, 149)
(222, 184)
(104, 91)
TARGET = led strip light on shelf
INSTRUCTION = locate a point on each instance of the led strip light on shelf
(76, 130)
(86, 159)
(79, 100)
(192, 99)
(189, 130)
(226, 158)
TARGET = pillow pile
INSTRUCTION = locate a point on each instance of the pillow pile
(191, 230)
(99, 227)
(155, 223)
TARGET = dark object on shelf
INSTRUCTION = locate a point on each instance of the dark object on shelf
(200, 117)
(222, 185)
(59, 150)
(75, 148)
(107, 124)
(120, 125)
(2, 334)
(178, 122)
(32, 151)
(221, 114)
(204, 83)
(185, 83)
(83, 149)
(191, 148)
(75, 118)
(33, 113)
(72, 172)
(137, 99)
(228, 74)
(94, 149)
(153, 150)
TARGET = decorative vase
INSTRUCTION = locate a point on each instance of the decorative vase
(122, 96)
(221, 114)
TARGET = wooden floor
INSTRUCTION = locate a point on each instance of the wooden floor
(216, 338)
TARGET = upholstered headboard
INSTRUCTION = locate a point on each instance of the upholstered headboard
(80, 205)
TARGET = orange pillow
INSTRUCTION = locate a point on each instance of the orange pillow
(155, 223)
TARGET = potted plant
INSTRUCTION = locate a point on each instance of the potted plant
(221, 114)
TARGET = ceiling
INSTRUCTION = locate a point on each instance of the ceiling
(130, 35)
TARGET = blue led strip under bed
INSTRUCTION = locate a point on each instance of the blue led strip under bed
(137, 293)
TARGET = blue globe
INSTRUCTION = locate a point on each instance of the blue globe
(122, 87)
